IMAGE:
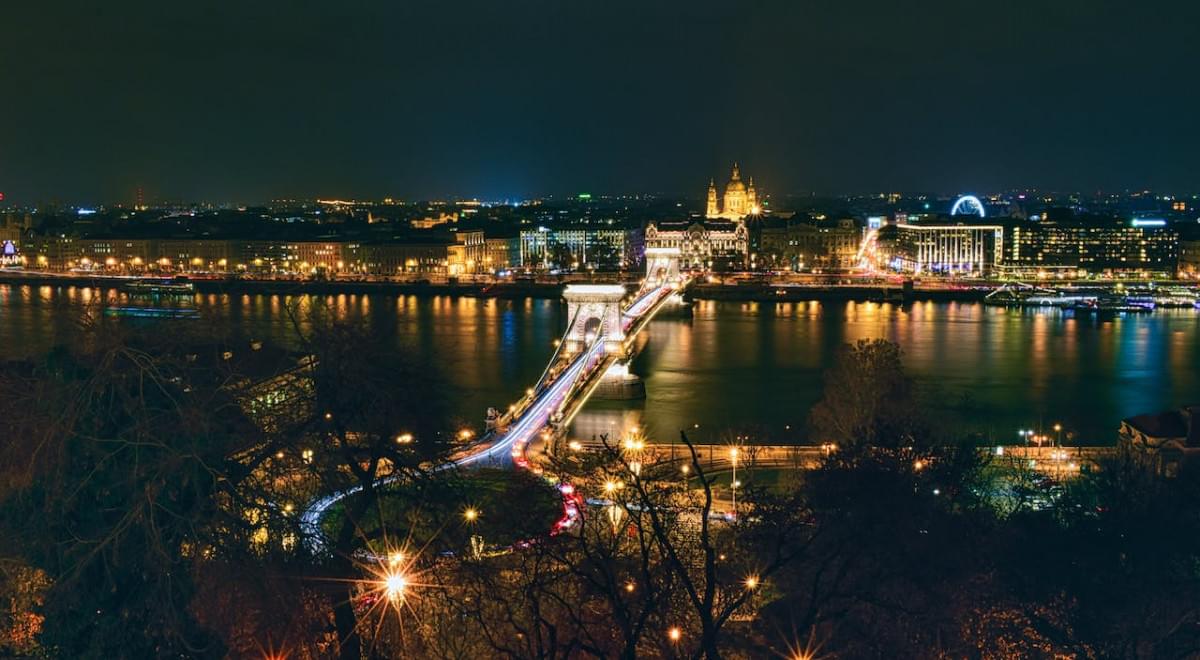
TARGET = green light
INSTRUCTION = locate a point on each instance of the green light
(585, 195)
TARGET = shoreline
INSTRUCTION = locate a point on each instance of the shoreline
(516, 290)
(744, 291)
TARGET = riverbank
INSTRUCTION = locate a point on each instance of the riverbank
(761, 292)
(548, 290)
(839, 292)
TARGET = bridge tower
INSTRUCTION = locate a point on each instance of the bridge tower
(662, 266)
(594, 310)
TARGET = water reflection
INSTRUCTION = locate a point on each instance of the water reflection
(734, 365)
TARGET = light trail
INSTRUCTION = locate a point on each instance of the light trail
(507, 447)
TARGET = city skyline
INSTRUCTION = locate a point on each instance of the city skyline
(608, 329)
(245, 104)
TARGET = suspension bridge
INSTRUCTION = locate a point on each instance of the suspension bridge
(597, 344)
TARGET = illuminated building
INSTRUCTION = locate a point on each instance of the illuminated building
(466, 256)
(810, 245)
(426, 257)
(703, 245)
(941, 249)
(501, 253)
(739, 201)
(575, 248)
(429, 222)
(1189, 259)
(8, 254)
(1170, 440)
(194, 254)
(1142, 247)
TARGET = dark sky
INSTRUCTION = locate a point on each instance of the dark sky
(253, 99)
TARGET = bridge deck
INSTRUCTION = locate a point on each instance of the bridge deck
(567, 390)
(561, 389)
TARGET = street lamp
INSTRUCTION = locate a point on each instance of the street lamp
(733, 456)
(394, 584)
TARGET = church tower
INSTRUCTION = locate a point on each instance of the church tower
(735, 196)
(751, 197)
(711, 210)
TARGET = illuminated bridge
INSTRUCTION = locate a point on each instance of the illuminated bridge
(597, 344)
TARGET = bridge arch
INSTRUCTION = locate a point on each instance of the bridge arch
(594, 311)
(662, 266)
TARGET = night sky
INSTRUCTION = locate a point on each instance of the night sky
(255, 99)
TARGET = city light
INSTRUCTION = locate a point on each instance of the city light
(394, 586)
(674, 634)
(751, 582)
(471, 514)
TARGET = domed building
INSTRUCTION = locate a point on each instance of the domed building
(740, 198)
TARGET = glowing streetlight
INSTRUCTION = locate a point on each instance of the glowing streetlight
(394, 584)
(733, 456)
(465, 434)
(675, 634)
(610, 486)
(404, 438)
(471, 514)
(751, 582)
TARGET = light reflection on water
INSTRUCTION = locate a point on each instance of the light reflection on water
(731, 365)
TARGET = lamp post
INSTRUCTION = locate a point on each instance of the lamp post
(733, 456)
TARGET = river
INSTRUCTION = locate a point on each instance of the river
(721, 369)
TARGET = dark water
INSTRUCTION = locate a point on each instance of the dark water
(741, 367)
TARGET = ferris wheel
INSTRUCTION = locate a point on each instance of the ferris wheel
(967, 205)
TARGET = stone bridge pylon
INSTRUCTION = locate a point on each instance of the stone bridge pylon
(594, 310)
(662, 266)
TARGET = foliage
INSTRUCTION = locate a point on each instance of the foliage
(868, 399)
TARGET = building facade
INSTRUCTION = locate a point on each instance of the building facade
(969, 250)
(807, 245)
(576, 249)
(1091, 250)
(501, 254)
(1189, 259)
(704, 245)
